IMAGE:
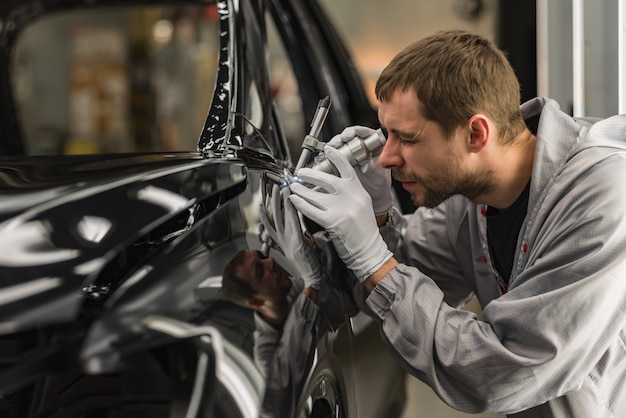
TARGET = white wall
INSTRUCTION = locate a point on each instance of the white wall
(376, 30)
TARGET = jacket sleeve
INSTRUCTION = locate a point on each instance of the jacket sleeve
(430, 240)
(560, 322)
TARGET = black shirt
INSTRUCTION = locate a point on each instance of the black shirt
(502, 232)
(503, 227)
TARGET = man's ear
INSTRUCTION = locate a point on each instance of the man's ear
(480, 129)
(255, 303)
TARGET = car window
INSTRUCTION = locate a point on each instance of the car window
(114, 80)
(285, 91)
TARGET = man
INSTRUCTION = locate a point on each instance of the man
(521, 207)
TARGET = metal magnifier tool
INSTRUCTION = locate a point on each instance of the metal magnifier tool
(358, 151)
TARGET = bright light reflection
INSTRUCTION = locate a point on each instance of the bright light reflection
(93, 228)
(28, 244)
(25, 290)
(90, 266)
(171, 201)
(240, 390)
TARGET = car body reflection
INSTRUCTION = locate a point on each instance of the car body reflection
(111, 261)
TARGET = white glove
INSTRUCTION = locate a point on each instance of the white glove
(287, 233)
(264, 237)
(343, 208)
(375, 179)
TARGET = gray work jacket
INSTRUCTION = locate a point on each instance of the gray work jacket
(553, 343)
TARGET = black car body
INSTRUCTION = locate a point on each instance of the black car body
(110, 263)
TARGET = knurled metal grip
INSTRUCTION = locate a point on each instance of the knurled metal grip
(358, 151)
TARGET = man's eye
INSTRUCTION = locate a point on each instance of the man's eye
(410, 140)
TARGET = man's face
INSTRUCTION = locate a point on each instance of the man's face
(270, 281)
(430, 166)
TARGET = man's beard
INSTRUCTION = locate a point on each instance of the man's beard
(446, 184)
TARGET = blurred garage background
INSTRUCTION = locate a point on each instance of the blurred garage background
(564, 49)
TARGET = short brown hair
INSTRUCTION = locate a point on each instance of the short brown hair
(234, 287)
(455, 75)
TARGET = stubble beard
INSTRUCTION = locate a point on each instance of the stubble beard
(449, 182)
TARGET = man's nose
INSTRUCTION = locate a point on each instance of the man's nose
(390, 156)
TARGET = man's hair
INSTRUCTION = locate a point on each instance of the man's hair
(234, 287)
(455, 75)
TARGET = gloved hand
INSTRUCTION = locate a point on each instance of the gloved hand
(287, 233)
(267, 242)
(375, 179)
(264, 237)
(344, 209)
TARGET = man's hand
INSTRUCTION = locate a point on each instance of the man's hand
(375, 179)
(287, 233)
(343, 208)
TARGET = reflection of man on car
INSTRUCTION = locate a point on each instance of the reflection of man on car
(255, 281)
(291, 312)
(286, 322)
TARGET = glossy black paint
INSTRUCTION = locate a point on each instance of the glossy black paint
(110, 265)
